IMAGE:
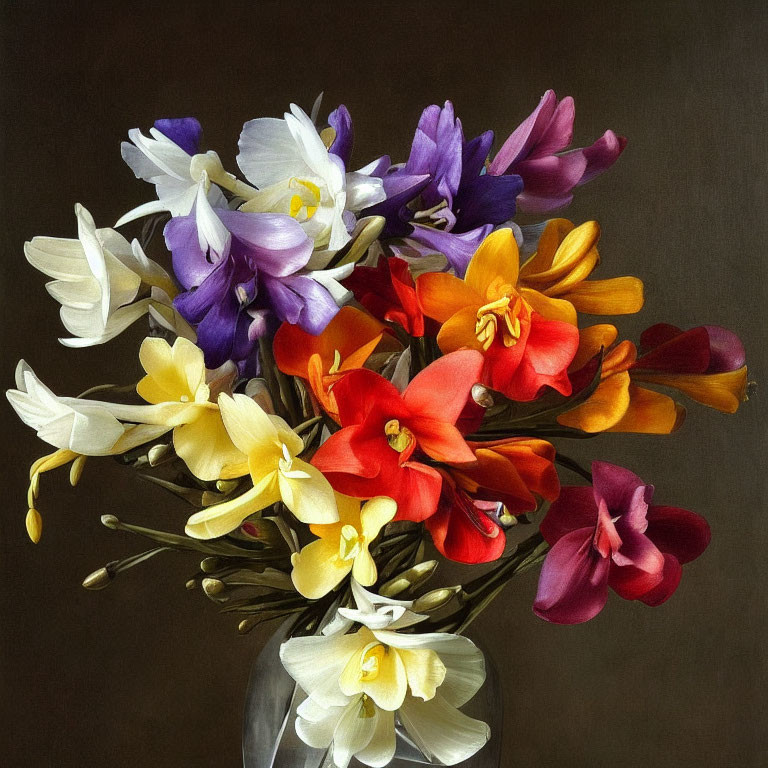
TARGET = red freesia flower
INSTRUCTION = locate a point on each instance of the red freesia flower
(609, 536)
(384, 433)
(511, 473)
(388, 292)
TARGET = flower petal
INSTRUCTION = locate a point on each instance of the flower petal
(497, 258)
(310, 498)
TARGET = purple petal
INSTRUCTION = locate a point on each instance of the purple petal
(457, 248)
(302, 301)
(341, 121)
(637, 567)
(473, 156)
(623, 492)
(575, 508)
(274, 242)
(185, 132)
(673, 572)
(678, 532)
(400, 189)
(725, 349)
(486, 199)
(559, 132)
(190, 262)
(530, 203)
(602, 155)
(551, 176)
(573, 585)
(194, 304)
(525, 136)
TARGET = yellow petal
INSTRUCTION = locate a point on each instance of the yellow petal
(425, 672)
(249, 427)
(173, 373)
(375, 514)
(205, 446)
(605, 406)
(220, 519)
(580, 271)
(497, 257)
(650, 412)
(554, 233)
(616, 296)
(287, 436)
(459, 332)
(317, 569)
(546, 306)
(364, 568)
(310, 498)
(722, 391)
(377, 671)
(591, 339)
(442, 295)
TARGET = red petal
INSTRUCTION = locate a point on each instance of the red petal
(687, 352)
(673, 572)
(351, 451)
(442, 441)
(641, 568)
(678, 532)
(573, 585)
(442, 389)
(362, 393)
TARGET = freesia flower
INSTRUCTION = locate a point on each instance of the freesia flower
(297, 175)
(388, 292)
(97, 279)
(384, 433)
(459, 204)
(565, 257)
(609, 536)
(524, 351)
(272, 450)
(240, 270)
(321, 360)
(165, 160)
(706, 363)
(354, 681)
(617, 405)
(511, 473)
(536, 151)
(342, 547)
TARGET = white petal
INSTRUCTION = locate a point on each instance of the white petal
(381, 747)
(211, 232)
(84, 324)
(316, 663)
(268, 152)
(145, 209)
(353, 733)
(363, 191)
(86, 232)
(57, 257)
(441, 731)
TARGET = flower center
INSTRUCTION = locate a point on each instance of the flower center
(285, 464)
(500, 316)
(399, 438)
(350, 543)
(304, 200)
(370, 662)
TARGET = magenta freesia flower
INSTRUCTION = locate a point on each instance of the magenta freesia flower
(536, 151)
(606, 536)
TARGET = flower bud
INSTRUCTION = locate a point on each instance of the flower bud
(34, 523)
(410, 579)
(98, 579)
(482, 396)
(435, 599)
(212, 587)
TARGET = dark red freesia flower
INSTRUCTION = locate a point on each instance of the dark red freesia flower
(385, 433)
(512, 473)
(388, 292)
(609, 536)
(707, 363)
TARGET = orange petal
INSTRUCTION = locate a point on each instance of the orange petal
(591, 339)
(358, 358)
(577, 251)
(722, 391)
(619, 359)
(650, 412)
(442, 295)
(580, 271)
(551, 309)
(496, 259)
(604, 407)
(617, 296)
(554, 234)
(459, 332)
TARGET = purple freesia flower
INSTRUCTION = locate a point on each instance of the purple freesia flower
(240, 270)
(609, 536)
(535, 151)
(441, 200)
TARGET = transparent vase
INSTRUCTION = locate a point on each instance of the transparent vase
(269, 736)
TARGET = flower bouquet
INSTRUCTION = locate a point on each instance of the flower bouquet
(353, 376)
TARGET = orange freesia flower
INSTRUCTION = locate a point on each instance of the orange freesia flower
(566, 256)
(345, 344)
(524, 336)
(512, 472)
(617, 405)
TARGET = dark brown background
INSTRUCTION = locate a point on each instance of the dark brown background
(148, 674)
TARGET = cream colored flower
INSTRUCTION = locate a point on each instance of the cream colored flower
(272, 450)
(342, 547)
(97, 279)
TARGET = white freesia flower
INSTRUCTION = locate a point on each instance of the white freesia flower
(353, 680)
(162, 162)
(97, 279)
(296, 174)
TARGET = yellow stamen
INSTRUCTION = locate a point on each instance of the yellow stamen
(336, 362)
(399, 438)
(350, 543)
(508, 309)
(370, 662)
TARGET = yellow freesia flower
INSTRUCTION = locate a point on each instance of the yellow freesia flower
(342, 547)
(271, 448)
